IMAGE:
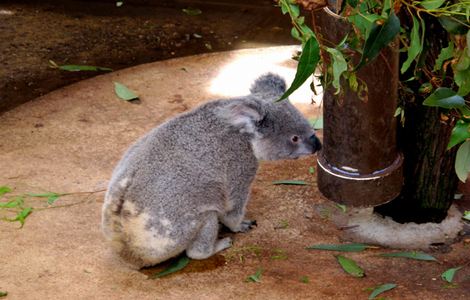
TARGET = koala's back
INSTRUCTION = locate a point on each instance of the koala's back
(168, 179)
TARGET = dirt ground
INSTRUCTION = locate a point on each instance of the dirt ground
(69, 141)
(99, 33)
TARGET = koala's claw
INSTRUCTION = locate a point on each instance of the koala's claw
(246, 225)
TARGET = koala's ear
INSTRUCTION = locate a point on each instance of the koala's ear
(243, 114)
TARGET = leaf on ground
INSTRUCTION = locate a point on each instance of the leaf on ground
(4, 189)
(279, 254)
(290, 182)
(379, 37)
(449, 274)
(462, 161)
(77, 68)
(192, 11)
(354, 247)
(460, 133)
(15, 202)
(445, 98)
(350, 266)
(51, 196)
(21, 216)
(304, 279)
(123, 92)
(380, 289)
(411, 255)
(311, 170)
(307, 63)
(466, 215)
(415, 47)
(178, 265)
(255, 277)
(3, 294)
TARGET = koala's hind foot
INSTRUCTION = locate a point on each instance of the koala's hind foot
(206, 244)
(247, 225)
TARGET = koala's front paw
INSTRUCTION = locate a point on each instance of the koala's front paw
(246, 225)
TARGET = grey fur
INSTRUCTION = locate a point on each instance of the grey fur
(173, 187)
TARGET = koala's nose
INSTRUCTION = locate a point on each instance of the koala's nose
(316, 143)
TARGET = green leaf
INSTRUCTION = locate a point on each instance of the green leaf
(350, 266)
(364, 22)
(307, 63)
(51, 196)
(397, 112)
(411, 255)
(380, 289)
(192, 11)
(304, 279)
(466, 215)
(290, 182)
(4, 189)
(449, 274)
(379, 37)
(22, 215)
(342, 207)
(462, 79)
(3, 294)
(415, 47)
(255, 277)
(77, 68)
(295, 34)
(453, 25)
(354, 247)
(445, 98)
(339, 66)
(123, 92)
(15, 202)
(295, 10)
(178, 265)
(445, 54)
(311, 170)
(459, 134)
(431, 4)
(462, 161)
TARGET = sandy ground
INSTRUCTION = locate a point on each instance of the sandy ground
(69, 141)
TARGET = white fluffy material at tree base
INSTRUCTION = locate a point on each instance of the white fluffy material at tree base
(365, 226)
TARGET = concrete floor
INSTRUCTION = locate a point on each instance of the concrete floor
(69, 141)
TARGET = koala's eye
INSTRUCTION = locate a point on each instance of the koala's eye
(295, 139)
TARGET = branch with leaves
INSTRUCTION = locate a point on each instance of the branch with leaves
(375, 25)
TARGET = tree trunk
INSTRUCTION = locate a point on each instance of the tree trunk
(430, 179)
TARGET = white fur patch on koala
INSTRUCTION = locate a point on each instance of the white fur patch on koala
(124, 182)
(144, 240)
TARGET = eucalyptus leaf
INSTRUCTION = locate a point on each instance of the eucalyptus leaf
(462, 79)
(3, 294)
(415, 47)
(295, 10)
(178, 265)
(449, 274)
(339, 66)
(77, 68)
(22, 215)
(432, 4)
(411, 255)
(354, 247)
(445, 98)
(466, 215)
(290, 182)
(462, 161)
(350, 266)
(124, 92)
(255, 277)
(4, 189)
(380, 289)
(453, 25)
(316, 123)
(460, 133)
(306, 67)
(445, 54)
(295, 34)
(379, 37)
(364, 22)
(15, 202)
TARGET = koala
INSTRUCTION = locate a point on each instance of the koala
(175, 185)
